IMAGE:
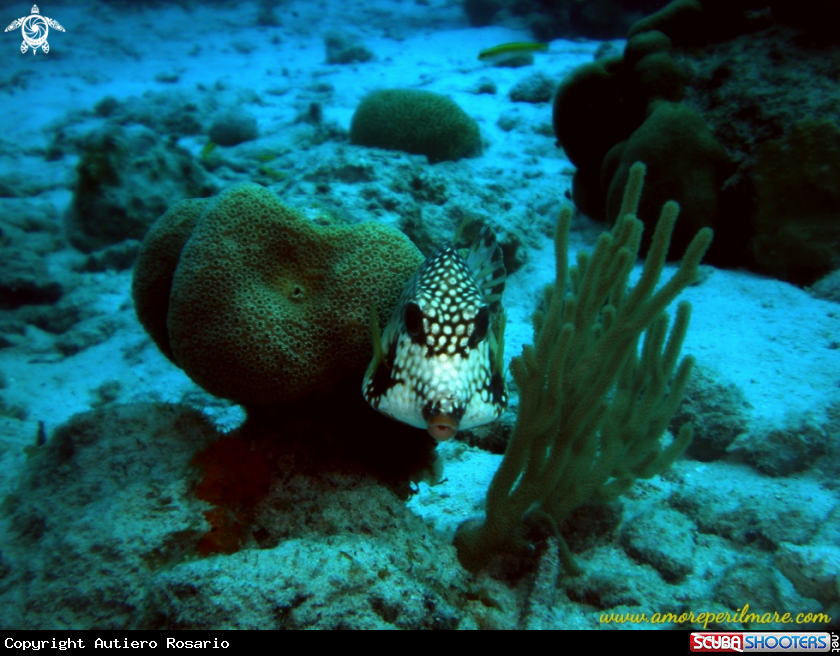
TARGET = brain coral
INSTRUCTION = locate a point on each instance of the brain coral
(156, 265)
(266, 307)
(415, 121)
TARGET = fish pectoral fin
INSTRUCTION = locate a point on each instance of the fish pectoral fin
(486, 261)
(498, 342)
(460, 230)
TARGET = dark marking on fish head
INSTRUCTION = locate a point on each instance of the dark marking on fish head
(384, 377)
(413, 321)
(481, 325)
(498, 393)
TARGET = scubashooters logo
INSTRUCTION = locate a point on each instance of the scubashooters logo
(749, 641)
(35, 29)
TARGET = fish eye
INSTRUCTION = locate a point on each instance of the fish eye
(413, 318)
(482, 323)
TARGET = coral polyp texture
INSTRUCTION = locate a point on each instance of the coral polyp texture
(259, 305)
(415, 121)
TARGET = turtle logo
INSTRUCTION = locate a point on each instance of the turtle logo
(35, 29)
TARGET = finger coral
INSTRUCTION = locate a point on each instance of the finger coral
(259, 305)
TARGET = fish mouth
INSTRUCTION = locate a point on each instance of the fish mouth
(442, 426)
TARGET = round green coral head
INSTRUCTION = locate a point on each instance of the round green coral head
(415, 121)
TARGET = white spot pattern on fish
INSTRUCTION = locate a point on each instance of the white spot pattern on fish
(439, 363)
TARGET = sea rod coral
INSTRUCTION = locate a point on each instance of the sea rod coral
(592, 408)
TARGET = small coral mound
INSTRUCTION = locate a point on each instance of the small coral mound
(256, 303)
(796, 224)
(344, 49)
(415, 121)
(24, 279)
(718, 412)
(127, 178)
(536, 88)
(233, 127)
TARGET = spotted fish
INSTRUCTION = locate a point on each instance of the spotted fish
(440, 363)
